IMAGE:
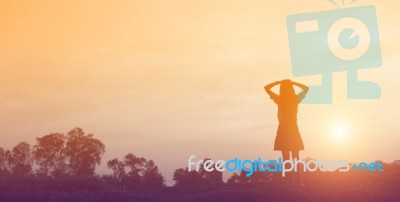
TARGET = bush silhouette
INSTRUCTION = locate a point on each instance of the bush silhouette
(184, 177)
(135, 172)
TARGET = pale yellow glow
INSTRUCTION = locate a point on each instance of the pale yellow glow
(340, 131)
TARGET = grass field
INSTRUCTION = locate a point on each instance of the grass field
(317, 188)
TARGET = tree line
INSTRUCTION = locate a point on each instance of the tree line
(75, 155)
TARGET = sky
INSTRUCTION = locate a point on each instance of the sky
(169, 79)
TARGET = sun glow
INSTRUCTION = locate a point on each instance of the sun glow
(340, 131)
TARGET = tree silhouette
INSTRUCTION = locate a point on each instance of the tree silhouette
(20, 160)
(118, 168)
(184, 177)
(83, 152)
(5, 155)
(141, 173)
(70, 160)
(151, 176)
(49, 155)
(136, 167)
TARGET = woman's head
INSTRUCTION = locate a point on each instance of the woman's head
(286, 91)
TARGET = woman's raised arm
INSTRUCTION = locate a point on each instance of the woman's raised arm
(303, 94)
(271, 94)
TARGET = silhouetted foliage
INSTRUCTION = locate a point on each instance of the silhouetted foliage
(135, 166)
(152, 176)
(20, 160)
(118, 168)
(136, 172)
(70, 160)
(49, 154)
(5, 155)
(61, 168)
(184, 177)
(83, 152)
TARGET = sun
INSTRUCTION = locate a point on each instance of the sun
(340, 131)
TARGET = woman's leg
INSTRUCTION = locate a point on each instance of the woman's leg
(296, 155)
(286, 156)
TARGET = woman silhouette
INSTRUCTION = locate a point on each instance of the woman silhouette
(288, 137)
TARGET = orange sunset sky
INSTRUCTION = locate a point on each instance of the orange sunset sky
(168, 79)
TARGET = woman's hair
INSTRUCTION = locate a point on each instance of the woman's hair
(287, 93)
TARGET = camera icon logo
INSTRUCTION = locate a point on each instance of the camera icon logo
(331, 41)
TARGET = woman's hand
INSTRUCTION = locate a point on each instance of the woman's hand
(270, 93)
